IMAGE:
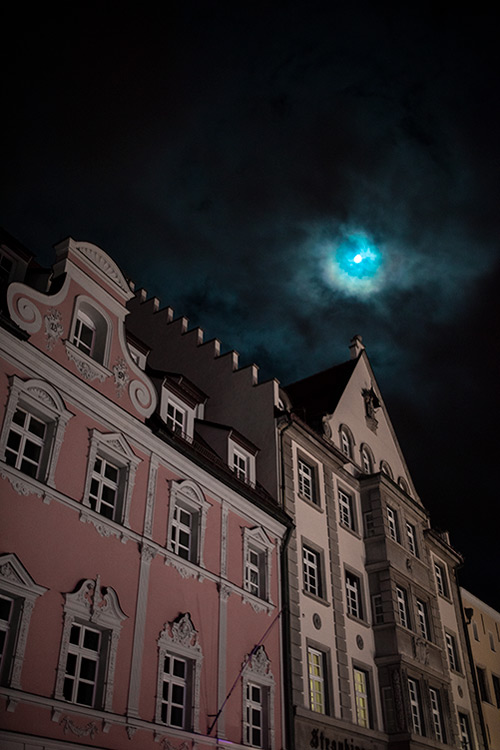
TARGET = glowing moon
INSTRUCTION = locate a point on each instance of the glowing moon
(355, 266)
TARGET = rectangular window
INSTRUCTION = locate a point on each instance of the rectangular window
(378, 609)
(437, 719)
(411, 536)
(451, 648)
(254, 572)
(317, 688)
(312, 571)
(6, 616)
(105, 488)
(415, 706)
(255, 715)
(492, 641)
(369, 523)
(496, 689)
(307, 487)
(175, 418)
(353, 595)
(441, 581)
(25, 443)
(183, 532)
(175, 691)
(475, 631)
(346, 510)
(82, 665)
(483, 684)
(402, 600)
(465, 736)
(361, 692)
(392, 519)
(240, 466)
(423, 620)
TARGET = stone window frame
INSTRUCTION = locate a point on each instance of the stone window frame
(41, 399)
(346, 441)
(256, 538)
(91, 366)
(18, 585)
(91, 604)
(188, 495)
(257, 670)
(180, 638)
(366, 457)
(367, 670)
(113, 447)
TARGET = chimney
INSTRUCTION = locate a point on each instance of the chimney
(356, 346)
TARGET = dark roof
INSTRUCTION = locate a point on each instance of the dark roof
(319, 394)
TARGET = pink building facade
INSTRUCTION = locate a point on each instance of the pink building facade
(139, 550)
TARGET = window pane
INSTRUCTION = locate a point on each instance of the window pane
(91, 639)
(85, 694)
(179, 668)
(19, 417)
(88, 669)
(5, 608)
(36, 427)
(176, 717)
(71, 664)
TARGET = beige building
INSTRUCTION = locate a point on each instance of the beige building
(483, 625)
(377, 642)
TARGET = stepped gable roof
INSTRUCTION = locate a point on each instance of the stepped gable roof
(319, 394)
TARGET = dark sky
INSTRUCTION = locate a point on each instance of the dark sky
(221, 151)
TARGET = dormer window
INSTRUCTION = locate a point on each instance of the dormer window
(240, 465)
(241, 457)
(90, 330)
(84, 335)
(176, 418)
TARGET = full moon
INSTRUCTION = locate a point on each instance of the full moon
(355, 266)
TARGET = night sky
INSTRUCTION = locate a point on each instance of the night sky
(222, 153)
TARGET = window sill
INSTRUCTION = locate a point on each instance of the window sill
(311, 503)
(105, 526)
(359, 620)
(186, 568)
(88, 368)
(316, 598)
(350, 530)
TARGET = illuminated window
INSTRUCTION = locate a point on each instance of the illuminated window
(317, 687)
(361, 692)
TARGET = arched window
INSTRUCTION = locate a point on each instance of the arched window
(404, 485)
(386, 469)
(367, 459)
(346, 441)
(90, 331)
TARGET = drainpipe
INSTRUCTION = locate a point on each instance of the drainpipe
(285, 593)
